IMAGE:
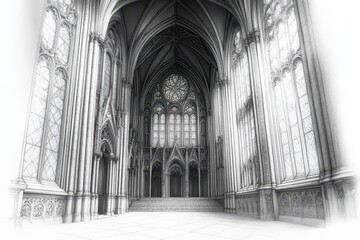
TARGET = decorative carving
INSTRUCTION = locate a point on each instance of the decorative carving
(41, 207)
(248, 204)
(96, 37)
(221, 83)
(304, 203)
(269, 201)
(175, 88)
(252, 37)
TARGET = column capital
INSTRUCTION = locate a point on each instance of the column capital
(118, 59)
(127, 84)
(252, 37)
(98, 154)
(113, 157)
(96, 37)
(221, 83)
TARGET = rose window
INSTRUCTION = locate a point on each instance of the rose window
(175, 88)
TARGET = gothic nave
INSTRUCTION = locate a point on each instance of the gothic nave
(178, 105)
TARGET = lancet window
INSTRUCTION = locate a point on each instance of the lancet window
(294, 119)
(175, 118)
(44, 130)
(245, 112)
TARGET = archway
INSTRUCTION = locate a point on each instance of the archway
(193, 180)
(156, 178)
(102, 187)
(176, 179)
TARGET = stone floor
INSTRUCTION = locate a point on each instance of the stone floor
(172, 226)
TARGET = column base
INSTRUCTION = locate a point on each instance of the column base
(76, 217)
(68, 218)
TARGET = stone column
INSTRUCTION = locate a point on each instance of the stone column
(163, 178)
(230, 154)
(150, 177)
(94, 182)
(187, 173)
(257, 76)
(87, 135)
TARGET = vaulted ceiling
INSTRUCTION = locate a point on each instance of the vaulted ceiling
(183, 36)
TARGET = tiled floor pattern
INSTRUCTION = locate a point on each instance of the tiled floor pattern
(171, 226)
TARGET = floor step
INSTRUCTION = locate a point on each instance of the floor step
(176, 205)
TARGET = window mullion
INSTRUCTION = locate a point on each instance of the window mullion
(44, 137)
(288, 127)
(300, 122)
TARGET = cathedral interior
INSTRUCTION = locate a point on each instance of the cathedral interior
(183, 106)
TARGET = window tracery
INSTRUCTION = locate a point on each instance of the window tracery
(295, 129)
(245, 112)
(43, 136)
(175, 88)
(174, 122)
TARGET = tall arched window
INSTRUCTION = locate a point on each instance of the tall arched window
(107, 76)
(156, 129)
(162, 132)
(178, 129)
(294, 120)
(193, 130)
(186, 130)
(171, 129)
(159, 125)
(190, 126)
(245, 112)
(43, 138)
(174, 105)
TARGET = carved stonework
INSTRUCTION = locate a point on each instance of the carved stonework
(303, 203)
(221, 83)
(96, 37)
(269, 201)
(252, 37)
(248, 204)
(41, 207)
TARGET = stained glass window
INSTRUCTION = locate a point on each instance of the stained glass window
(43, 136)
(162, 130)
(175, 88)
(186, 130)
(295, 130)
(48, 30)
(156, 130)
(193, 130)
(63, 44)
(171, 129)
(245, 112)
(37, 118)
(178, 128)
(177, 118)
(107, 76)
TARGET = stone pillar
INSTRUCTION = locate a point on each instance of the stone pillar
(110, 183)
(163, 178)
(150, 178)
(82, 196)
(187, 173)
(94, 182)
(257, 76)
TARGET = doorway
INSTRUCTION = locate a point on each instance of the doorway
(156, 180)
(102, 185)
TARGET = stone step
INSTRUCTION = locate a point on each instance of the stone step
(176, 205)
